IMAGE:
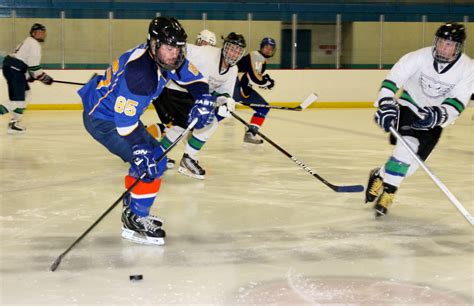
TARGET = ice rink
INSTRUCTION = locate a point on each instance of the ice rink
(257, 230)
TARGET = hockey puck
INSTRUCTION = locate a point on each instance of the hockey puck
(136, 277)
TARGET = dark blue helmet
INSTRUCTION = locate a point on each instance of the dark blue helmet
(270, 42)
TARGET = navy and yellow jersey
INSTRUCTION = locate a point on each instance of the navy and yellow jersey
(129, 85)
(252, 66)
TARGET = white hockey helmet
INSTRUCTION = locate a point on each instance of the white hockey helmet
(206, 36)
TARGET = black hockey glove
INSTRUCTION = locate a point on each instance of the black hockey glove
(387, 114)
(269, 82)
(432, 117)
(46, 79)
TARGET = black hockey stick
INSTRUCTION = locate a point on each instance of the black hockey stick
(67, 82)
(74, 83)
(307, 102)
(57, 262)
(350, 188)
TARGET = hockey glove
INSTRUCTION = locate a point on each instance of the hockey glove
(158, 153)
(432, 117)
(387, 114)
(143, 162)
(46, 79)
(226, 106)
(203, 110)
(269, 82)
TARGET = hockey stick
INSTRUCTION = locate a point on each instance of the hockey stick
(75, 83)
(57, 262)
(307, 102)
(67, 82)
(350, 188)
(435, 179)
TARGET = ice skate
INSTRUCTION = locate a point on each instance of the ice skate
(141, 229)
(157, 221)
(249, 137)
(190, 167)
(385, 200)
(15, 128)
(374, 186)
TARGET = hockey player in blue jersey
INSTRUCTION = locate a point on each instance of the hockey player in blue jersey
(113, 104)
(252, 68)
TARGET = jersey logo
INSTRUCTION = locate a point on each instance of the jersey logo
(434, 88)
(193, 69)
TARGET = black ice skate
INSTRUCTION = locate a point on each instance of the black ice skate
(190, 167)
(155, 219)
(385, 200)
(374, 186)
(141, 230)
(15, 128)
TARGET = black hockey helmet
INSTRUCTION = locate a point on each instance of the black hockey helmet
(37, 27)
(233, 41)
(450, 31)
(168, 31)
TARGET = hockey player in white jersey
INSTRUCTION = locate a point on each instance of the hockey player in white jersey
(206, 37)
(437, 82)
(23, 65)
(218, 66)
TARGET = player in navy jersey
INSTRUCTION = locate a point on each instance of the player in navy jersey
(437, 82)
(252, 68)
(113, 104)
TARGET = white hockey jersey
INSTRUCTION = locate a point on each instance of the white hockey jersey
(29, 52)
(207, 60)
(425, 83)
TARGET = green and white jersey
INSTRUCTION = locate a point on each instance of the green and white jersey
(425, 82)
(207, 59)
(29, 52)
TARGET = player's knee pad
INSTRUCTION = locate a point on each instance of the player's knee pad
(172, 133)
(401, 153)
(142, 195)
(206, 132)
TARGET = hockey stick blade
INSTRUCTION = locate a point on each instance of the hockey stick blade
(352, 188)
(304, 105)
(56, 263)
(308, 101)
(343, 188)
(355, 188)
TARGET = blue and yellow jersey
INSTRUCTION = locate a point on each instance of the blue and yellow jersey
(129, 85)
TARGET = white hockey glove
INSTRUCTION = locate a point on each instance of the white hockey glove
(226, 106)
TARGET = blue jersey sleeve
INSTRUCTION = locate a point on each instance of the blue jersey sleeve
(189, 77)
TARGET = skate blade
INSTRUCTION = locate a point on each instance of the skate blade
(379, 213)
(170, 166)
(14, 132)
(141, 239)
(186, 172)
